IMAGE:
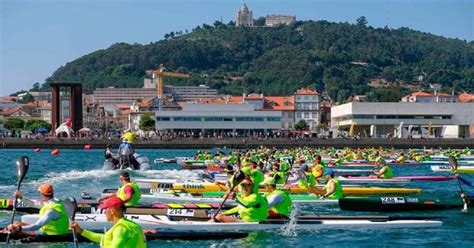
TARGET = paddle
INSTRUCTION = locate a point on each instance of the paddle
(238, 177)
(70, 204)
(22, 166)
(454, 164)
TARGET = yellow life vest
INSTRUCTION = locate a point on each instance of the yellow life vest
(55, 227)
(135, 197)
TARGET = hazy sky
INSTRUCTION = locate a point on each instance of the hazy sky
(38, 36)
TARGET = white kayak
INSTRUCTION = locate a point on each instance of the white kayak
(189, 198)
(164, 223)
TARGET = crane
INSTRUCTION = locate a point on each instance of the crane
(161, 73)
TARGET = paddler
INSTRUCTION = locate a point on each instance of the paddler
(279, 202)
(318, 167)
(384, 172)
(124, 233)
(401, 158)
(251, 206)
(53, 219)
(253, 174)
(129, 192)
(229, 170)
(281, 178)
(333, 186)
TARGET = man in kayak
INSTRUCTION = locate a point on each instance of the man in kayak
(255, 175)
(123, 233)
(252, 207)
(125, 152)
(279, 202)
(333, 186)
(129, 192)
(318, 167)
(401, 158)
(53, 219)
(384, 172)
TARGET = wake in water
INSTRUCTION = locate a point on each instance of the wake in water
(58, 177)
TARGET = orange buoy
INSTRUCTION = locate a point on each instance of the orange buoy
(87, 147)
(55, 152)
(37, 150)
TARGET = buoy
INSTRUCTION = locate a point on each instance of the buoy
(87, 147)
(55, 152)
(37, 150)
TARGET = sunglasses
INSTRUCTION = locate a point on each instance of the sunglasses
(246, 185)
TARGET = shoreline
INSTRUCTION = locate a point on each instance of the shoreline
(15, 143)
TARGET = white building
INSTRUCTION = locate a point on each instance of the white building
(307, 107)
(446, 120)
(425, 97)
(244, 17)
(275, 20)
(210, 118)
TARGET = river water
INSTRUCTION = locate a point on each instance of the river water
(76, 171)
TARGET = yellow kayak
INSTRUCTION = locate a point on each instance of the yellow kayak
(465, 170)
(200, 188)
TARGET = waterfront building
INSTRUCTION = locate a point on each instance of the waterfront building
(129, 95)
(307, 107)
(208, 119)
(244, 17)
(405, 119)
(425, 97)
(275, 20)
(111, 95)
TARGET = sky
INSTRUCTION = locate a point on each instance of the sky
(39, 36)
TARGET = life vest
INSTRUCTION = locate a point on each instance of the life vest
(135, 197)
(282, 178)
(306, 183)
(256, 176)
(282, 208)
(317, 171)
(135, 237)
(387, 174)
(55, 227)
(401, 159)
(252, 208)
(337, 190)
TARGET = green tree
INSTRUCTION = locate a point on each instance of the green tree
(362, 21)
(33, 125)
(27, 98)
(147, 123)
(14, 123)
(301, 125)
(36, 87)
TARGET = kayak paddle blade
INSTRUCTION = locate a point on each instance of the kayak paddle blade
(238, 177)
(22, 165)
(70, 205)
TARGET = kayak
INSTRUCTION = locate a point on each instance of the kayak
(402, 179)
(460, 169)
(216, 198)
(150, 234)
(156, 185)
(162, 223)
(371, 163)
(396, 204)
(201, 210)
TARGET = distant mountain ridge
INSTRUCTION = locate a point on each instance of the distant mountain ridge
(339, 58)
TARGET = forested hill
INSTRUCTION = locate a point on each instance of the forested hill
(339, 58)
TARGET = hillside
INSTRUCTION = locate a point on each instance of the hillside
(340, 58)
